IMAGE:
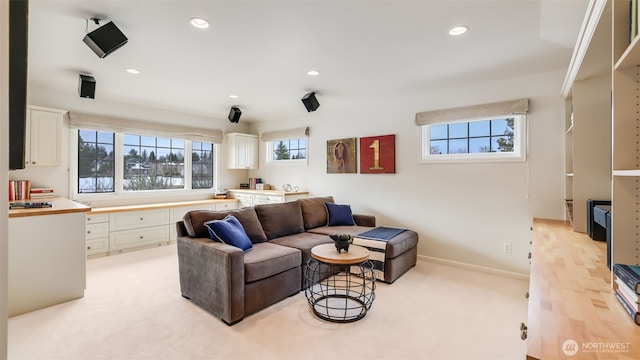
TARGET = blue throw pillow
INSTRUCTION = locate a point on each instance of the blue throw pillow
(339, 214)
(229, 231)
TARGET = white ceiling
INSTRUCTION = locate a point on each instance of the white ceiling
(262, 50)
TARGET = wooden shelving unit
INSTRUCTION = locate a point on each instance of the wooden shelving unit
(626, 139)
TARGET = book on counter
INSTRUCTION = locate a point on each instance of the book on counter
(635, 316)
(629, 274)
(19, 190)
(39, 193)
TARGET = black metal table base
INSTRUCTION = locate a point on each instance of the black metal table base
(340, 293)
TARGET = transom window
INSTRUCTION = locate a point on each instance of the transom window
(287, 150)
(498, 138)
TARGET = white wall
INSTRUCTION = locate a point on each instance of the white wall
(4, 165)
(462, 212)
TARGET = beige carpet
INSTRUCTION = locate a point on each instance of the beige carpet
(133, 310)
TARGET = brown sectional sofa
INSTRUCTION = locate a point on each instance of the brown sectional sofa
(231, 283)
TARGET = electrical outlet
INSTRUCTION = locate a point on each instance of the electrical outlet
(506, 247)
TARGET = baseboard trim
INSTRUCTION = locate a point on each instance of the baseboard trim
(484, 269)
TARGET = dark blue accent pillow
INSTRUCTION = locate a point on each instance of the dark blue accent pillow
(229, 231)
(339, 214)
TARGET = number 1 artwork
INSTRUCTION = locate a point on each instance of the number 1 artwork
(377, 154)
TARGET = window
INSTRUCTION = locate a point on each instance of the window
(95, 161)
(110, 162)
(152, 163)
(287, 150)
(499, 138)
(202, 165)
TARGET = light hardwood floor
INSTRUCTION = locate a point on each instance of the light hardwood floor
(571, 299)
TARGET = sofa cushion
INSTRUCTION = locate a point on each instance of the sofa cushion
(339, 214)
(280, 219)
(314, 213)
(229, 231)
(304, 242)
(194, 222)
(268, 259)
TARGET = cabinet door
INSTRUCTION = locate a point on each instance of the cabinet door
(130, 239)
(247, 152)
(227, 205)
(45, 131)
(138, 219)
(259, 199)
(242, 151)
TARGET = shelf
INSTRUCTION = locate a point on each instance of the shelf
(630, 57)
(626, 172)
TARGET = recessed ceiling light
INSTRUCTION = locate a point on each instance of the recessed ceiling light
(233, 96)
(458, 30)
(199, 23)
(133, 71)
(313, 72)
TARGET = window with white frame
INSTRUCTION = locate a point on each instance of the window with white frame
(287, 149)
(482, 133)
(148, 163)
(499, 138)
(286, 146)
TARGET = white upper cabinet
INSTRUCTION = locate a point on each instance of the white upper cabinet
(242, 151)
(44, 143)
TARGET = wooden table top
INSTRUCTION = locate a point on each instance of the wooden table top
(60, 206)
(328, 254)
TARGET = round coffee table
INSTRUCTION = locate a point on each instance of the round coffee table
(341, 286)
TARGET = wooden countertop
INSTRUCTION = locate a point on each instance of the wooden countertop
(269, 192)
(60, 206)
(110, 209)
(571, 298)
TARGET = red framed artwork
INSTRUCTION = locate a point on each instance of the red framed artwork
(378, 154)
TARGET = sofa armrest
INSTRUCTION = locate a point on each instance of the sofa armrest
(364, 220)
(212, 276)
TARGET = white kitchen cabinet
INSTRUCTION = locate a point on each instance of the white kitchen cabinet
(117, 229)
(97, 236)
(242, 151)
(47, 265)
(44, 137)
(132, 229)
(258, 197)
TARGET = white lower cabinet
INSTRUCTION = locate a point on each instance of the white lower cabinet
(114, 230)
(135, 238)
(259, 197)
(97, 234)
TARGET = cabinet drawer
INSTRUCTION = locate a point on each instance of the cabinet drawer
(138, 219)
(97, 218)
(98, 230)
(177, 213)
(241, 196)
(267, 199)
(97, 246)
(126, 239)
(227, 205)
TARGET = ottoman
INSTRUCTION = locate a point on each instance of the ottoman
(400, 252)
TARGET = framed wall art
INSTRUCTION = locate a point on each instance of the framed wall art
(342, 156)
(378, 154)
